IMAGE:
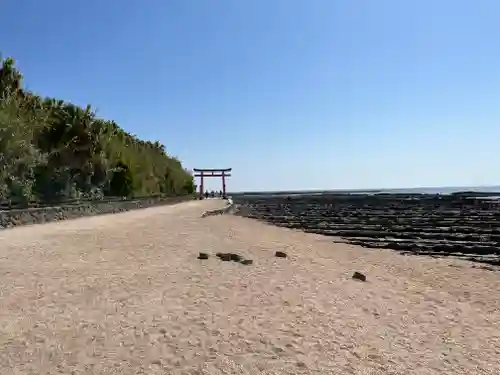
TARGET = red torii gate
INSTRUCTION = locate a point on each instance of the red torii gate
(202, 173)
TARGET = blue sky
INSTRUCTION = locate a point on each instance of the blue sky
(292, 94)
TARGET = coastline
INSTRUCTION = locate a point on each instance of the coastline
(443, 190)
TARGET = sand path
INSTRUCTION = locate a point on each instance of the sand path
(125, 294)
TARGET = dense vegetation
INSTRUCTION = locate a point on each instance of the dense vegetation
(53, 150)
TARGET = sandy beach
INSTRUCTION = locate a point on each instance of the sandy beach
(126, 294)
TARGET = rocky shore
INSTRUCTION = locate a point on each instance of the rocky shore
(464, 225)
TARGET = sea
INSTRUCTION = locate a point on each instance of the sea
(421, 190)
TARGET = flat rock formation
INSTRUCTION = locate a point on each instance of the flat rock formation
(465, 225)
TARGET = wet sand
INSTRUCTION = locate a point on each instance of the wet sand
(125, 294)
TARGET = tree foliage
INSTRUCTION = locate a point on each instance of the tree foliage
(54, 150)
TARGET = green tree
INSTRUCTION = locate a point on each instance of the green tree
(54, 150)
(122, 181)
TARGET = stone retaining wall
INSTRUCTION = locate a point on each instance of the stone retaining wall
(16, 217)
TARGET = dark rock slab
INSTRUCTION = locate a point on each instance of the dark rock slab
(235, 257)
(359, 276)
(228, 257)
(462, 225)
(225, 257)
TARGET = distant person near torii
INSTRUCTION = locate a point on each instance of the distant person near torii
(214, 194)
